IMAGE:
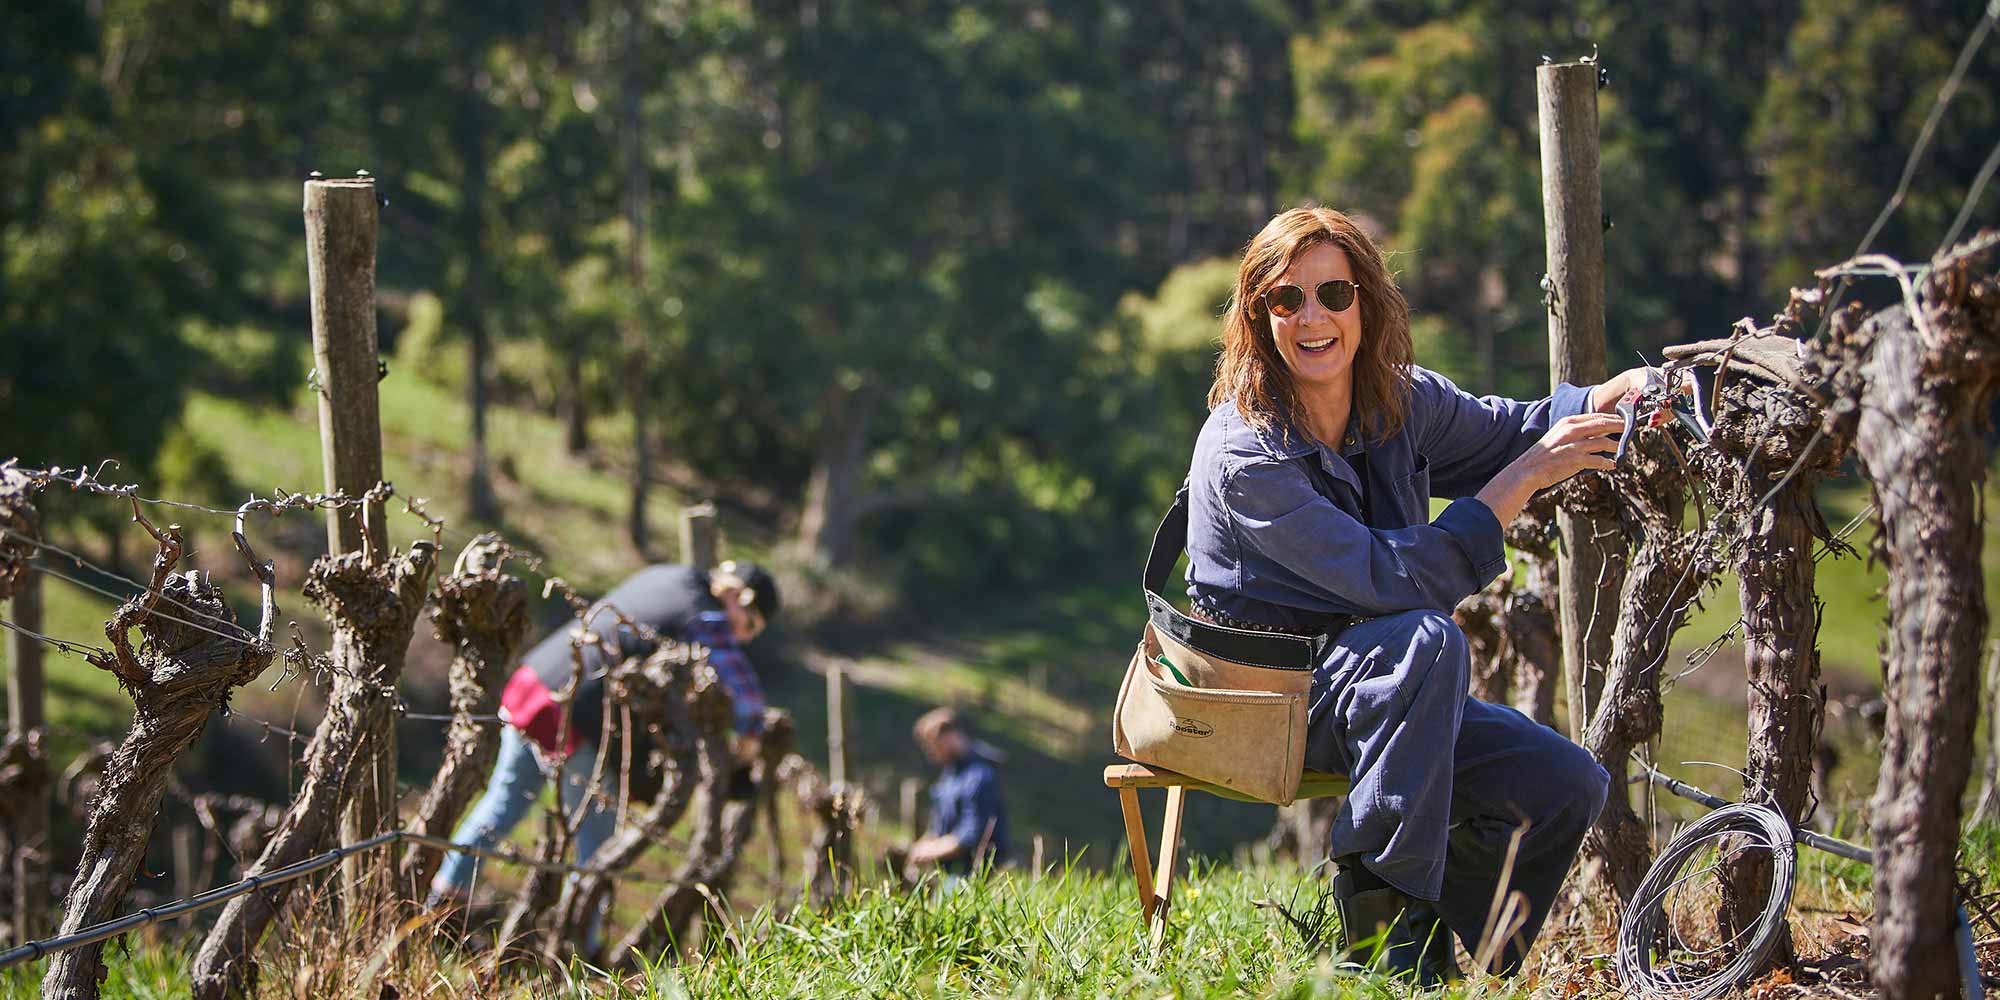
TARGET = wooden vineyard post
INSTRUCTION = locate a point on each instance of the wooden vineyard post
(24, 766)
(836, 723)
(1573, 219)
(698, 536)
(341, 219)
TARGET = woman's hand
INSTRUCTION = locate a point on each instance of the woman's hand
(1604, 398)
(1574, 444)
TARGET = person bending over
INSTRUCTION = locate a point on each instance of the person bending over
(723, 610)
(1308, 512)
(968, 826)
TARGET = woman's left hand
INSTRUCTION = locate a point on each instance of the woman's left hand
(1604, 398)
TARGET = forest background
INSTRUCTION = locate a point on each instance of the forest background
(924, 295)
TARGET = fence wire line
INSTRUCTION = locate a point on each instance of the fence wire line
(35, 950)
(1700, 657)
(84, 650)
(1944, 96)
(89, 484)
(1943, 100)
(142, 588)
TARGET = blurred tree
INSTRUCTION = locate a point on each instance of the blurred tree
(1837, 123)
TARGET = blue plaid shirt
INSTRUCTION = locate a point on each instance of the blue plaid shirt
(746, 692)
(1283, 529)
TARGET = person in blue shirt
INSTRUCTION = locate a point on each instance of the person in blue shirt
(1308, 512)
(968, 825)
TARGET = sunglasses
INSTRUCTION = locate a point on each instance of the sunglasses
(1287, 300)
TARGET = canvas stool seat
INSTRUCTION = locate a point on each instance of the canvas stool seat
(1155, 885)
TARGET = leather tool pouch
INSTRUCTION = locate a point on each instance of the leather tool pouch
(1240, 720)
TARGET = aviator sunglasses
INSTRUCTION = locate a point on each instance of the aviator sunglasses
(1287, 300)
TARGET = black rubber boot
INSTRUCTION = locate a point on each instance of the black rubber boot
(1419, 947)
(1370, 912)
(1385, 931)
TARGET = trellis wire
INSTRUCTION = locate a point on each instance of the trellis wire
(35, 950)
(1647, 921)
(1639, 929)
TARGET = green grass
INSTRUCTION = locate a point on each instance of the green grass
(1075, 933)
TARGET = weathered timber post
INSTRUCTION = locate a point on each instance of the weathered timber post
(24, 764)
(1917, 387)
(178, 676)
(340, 218)
(836, 722)
(632, 333)
(372, 605)
(340, 274)
(1668, 569)
(1573, 218)
(698, 536)
(482, 613)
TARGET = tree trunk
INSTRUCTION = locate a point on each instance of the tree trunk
(469, 136)
(638, 383)
(177, 677)
(373, 610)
(1923, 401)
(1666, 573)
(482, 613)
(575, 411)
(833, 494)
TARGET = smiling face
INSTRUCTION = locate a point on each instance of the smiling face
(1318, 345)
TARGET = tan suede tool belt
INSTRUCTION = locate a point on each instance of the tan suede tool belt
(1223, 704)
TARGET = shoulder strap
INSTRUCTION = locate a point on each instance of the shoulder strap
(1276, 650)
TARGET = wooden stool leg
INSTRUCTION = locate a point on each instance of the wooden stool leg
(1170, 843)
(1135, 841)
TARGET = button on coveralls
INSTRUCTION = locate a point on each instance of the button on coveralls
(1285, 531)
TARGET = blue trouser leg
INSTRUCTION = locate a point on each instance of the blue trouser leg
(1513, 778)
(1387, 702)
(510, 794)
(599, 817)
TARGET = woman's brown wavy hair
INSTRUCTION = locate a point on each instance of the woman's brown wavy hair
(1250, 371)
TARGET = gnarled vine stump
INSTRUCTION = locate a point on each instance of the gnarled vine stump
(834, 812)
(1667, 570)
(1917, 388)
(724, 827)
(183, 671)
(373, 607)
(677, 710)
(1767, 443)
(482, 613)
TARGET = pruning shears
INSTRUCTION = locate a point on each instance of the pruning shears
(1661, 398)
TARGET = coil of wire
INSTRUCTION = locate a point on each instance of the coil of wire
(1695, 973)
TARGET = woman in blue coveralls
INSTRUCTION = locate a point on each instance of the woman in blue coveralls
(1308, 508)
